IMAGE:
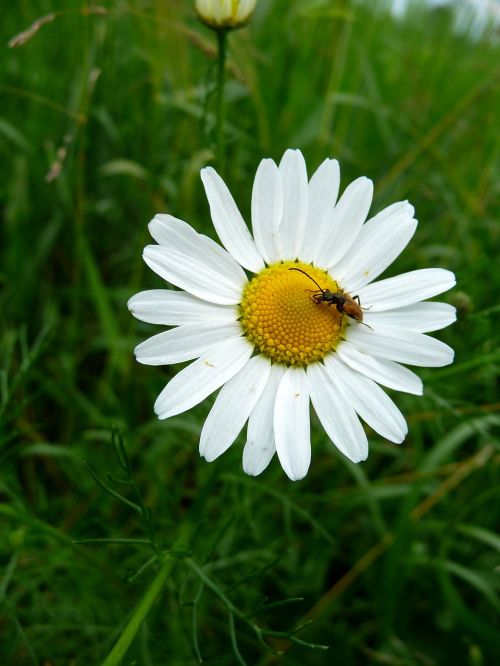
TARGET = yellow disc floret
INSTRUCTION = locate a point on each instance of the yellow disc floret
(281, 318)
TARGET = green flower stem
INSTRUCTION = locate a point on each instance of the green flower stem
(139, 615)
(221, 69)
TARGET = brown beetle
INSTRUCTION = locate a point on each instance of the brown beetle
(345, 304)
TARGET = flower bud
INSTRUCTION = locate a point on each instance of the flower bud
(225, 14)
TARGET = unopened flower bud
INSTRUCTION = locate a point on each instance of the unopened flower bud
(225, 14)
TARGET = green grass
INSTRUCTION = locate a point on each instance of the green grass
(395, 561)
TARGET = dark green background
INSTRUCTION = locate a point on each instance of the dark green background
(105, 119)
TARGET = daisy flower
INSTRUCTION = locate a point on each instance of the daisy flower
(276, 339)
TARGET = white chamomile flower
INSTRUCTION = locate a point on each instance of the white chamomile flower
(270, 337)
(225, 14)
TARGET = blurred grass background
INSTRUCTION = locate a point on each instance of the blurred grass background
(106, 118)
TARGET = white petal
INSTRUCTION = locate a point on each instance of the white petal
(393, 211)
(204, 376)
(227, 220)
(194, 262)
(343, 224)
(407, 347)
(164, 227)
(260, 446)
(172, 308)
(323, 192)
(183, 343)
(420, 317)
(295, 195)
(379, 242)
(384, 372)
(187, 273)
(233, 406)
(369, 400)
(291, 424)
(336, 414)
(267, 210)
(405, 289)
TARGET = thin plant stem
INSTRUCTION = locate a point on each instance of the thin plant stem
(221, 80)
(139, 615)
(168, 562)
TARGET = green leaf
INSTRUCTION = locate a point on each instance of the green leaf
(480, 534)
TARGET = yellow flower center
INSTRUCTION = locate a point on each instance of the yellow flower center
(281, 318)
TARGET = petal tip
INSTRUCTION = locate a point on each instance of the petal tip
(365, 181)
(449, 277)
(294, 476)
(250, 471)
(160, 413)
(207, 171)
(160, 219)
(358, 457)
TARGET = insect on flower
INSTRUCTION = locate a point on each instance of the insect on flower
(345, 304)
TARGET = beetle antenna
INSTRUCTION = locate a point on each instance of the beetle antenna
(307, 275)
